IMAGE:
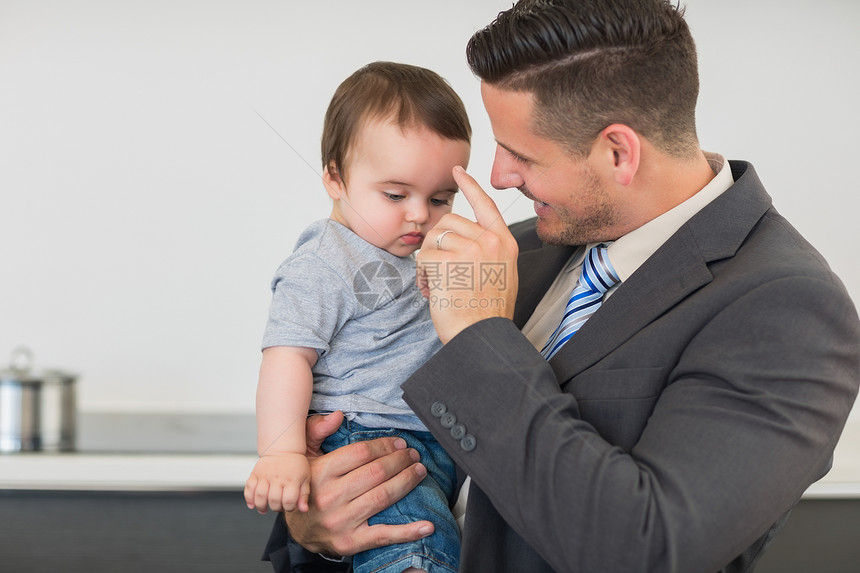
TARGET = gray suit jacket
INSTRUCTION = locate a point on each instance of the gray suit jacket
(679, 426)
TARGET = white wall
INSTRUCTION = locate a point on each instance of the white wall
(145, 200)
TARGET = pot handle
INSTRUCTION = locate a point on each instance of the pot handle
(21, 361)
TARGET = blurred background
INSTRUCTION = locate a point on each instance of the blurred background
(158, 160)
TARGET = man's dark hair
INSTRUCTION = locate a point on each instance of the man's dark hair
(592, 63)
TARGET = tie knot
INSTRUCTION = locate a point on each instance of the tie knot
(598, 274)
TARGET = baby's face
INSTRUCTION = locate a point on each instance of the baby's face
(399, 184)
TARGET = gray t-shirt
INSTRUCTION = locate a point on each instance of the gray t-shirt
(358, 306)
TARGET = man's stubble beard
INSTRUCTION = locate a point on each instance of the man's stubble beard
(590, 228)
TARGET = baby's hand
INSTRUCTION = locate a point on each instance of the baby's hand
(279, 481)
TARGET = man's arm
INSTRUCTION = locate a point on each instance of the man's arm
(721, 458)
(740, 399)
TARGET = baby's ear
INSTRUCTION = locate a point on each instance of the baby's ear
(333, 182)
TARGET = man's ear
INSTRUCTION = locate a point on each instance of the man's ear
(333, 182)
(622, 147)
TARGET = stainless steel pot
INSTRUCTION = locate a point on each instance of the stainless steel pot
(38, 411)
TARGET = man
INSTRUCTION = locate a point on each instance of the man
(674, 427)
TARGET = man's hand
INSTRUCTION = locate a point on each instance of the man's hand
(351, 484)
(468, 269)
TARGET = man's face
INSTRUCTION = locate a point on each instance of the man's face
(572, 202)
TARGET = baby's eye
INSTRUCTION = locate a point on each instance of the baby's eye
(440, 202)
(393, 196)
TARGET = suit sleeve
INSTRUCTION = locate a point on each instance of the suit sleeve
(743, 425)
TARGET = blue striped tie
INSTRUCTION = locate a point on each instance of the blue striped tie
(598, 276)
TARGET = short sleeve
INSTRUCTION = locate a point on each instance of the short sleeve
(310, 303)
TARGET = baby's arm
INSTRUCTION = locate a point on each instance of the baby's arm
(280, 479)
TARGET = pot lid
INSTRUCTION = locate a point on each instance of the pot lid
(20, 370)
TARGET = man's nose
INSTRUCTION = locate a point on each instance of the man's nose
(504, 174)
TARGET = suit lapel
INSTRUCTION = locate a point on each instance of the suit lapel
(537, 269)
(638, 301)
(673, 272)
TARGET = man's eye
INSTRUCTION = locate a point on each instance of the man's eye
(518, 158)
(393, 196)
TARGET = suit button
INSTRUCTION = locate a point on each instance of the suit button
(438, 408)
(458, 431)
(468, 443)
(448, 420)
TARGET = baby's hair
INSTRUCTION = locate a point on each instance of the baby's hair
(410, 95)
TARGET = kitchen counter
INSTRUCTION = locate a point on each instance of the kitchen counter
(164, 493)
(843, 480)
(181, 453)
(142, 452)
(125, 472)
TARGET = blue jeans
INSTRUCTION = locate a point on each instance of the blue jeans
(430, 501)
